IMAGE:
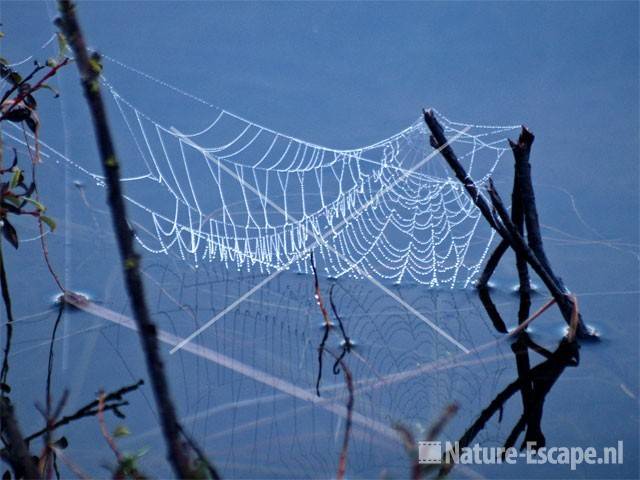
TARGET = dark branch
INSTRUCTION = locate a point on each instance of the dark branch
(89, 69)
(502, 223)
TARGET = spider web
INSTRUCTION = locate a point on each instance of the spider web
(245, 390)
(255, 199)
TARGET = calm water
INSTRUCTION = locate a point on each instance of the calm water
(343, 75)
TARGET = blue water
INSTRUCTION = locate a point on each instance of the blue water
(344, 75)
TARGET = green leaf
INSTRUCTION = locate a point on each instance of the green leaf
(35, 203)
(121, 431)
(49, 221)
(15, 178)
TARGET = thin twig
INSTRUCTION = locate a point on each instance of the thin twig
(445, 417)
(49, 418)
(89, 69)
(6, 297)
(104, 430)
(325, 317)
(71, 465)
(508, 230)
(342, 462)
(346, 341)
(91, 409)
(43, 243)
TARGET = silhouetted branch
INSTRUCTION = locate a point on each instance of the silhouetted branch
(521, 153)
(508, 230)
(543, 377)
(501, 224)
(6, 297)
(492, 311)
(89, 69)
(90, 410)
(49, 416)
(492, 263)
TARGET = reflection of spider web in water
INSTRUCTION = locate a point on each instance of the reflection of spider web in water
(249, 428)
(256, 430)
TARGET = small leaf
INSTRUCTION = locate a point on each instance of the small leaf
(61, 443)
(15, 78)
(5, 388)
(5, 70)
(36, 204)
(121, 431)
(10, 234)
(30, 102)
(16, 178)
(32, 121)
(51, 63)
(49, 221)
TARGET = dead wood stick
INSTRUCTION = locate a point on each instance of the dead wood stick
(505, 226)
(521, 152)
(564, 301)
(518, 219)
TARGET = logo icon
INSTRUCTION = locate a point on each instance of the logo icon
(429, 452)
